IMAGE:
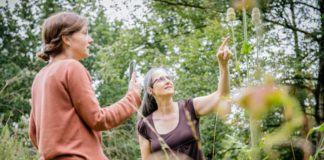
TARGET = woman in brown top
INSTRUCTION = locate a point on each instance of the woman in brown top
(172, 120)
(66, 120)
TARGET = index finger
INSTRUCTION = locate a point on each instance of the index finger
(224, 43)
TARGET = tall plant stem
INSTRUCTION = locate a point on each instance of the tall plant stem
(254, 131)
(214, 138)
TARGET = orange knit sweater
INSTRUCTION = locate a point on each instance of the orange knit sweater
(66, 120)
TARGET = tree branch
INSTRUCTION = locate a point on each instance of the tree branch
(230, 149)
(300, 78)
(300, 86)
(181, 4)
(292, 28)
(308, 5)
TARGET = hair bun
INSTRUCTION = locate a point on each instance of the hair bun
(54, 27)
(43, 56)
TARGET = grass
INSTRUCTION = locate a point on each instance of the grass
(14, 142)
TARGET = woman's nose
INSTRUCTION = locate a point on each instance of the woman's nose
(167, 81)
(90, 40)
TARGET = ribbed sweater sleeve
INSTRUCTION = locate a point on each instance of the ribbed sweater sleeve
(87, 106)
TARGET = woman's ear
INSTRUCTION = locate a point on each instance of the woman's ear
(149, 91)
(66, 41)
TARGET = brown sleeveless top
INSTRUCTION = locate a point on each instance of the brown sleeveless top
(181, 139)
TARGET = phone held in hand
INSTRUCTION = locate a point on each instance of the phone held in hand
(132, 68)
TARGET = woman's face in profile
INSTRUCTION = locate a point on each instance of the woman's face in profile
(162, 83)
(80, 42)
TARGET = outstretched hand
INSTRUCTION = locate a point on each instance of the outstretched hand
(223, 53)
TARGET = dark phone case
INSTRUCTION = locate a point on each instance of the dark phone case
(132, 69)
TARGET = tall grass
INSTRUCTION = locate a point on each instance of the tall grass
(14, 141)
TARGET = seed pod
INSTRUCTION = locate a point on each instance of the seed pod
(244, 4)
(256, 16)
(230, 16)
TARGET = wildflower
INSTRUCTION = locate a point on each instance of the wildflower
(259, 100)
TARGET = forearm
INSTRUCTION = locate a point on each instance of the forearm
(223, 81)
(101, 119)
(205, 104)
(122, 110)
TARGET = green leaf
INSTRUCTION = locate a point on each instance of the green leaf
(237, 67)
(311, 131)
(246, 48)
(318, 129)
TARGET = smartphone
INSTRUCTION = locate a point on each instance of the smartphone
(132, 68)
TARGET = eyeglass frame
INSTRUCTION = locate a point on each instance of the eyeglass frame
(170, 78)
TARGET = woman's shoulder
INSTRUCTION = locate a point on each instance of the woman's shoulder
(71, 69)
(61, 66)
(73, 66)
(143, 122)
(187, 105)
(186, 102)
(65, 64)
(142, 128)
(72, 63)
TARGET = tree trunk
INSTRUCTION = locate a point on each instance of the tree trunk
(319, 115)
(319, 92)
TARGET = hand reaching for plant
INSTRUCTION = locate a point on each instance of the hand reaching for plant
(223, 53)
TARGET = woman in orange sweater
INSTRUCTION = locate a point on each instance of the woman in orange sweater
(66, 120)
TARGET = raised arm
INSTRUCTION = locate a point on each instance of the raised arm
(205, 104)
(87, 106)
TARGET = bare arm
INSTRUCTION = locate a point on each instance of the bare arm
(145, 147)
(205, 104)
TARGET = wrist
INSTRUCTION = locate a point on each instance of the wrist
(223, 66)
(136, 96)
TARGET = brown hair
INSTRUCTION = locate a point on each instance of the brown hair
(54, 27)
